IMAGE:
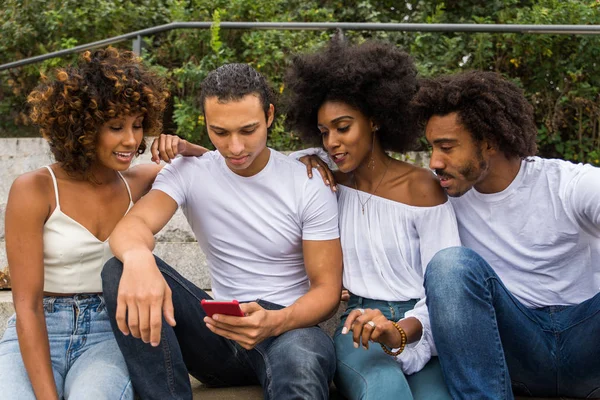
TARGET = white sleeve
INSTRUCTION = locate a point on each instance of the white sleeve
(416, 355)
(170, 181)
(585, 199)
(315, 151)
(319, 211)
(438, 229)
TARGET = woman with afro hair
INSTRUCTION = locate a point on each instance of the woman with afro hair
(394, 216)
(94, 115)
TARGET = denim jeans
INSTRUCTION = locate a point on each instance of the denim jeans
(373, 375)
(490, 345)
(86, 361)
(298, 364)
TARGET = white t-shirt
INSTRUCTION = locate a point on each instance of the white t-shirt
(251, 228)
(541, 234)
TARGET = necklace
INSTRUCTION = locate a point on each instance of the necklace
(363, 204)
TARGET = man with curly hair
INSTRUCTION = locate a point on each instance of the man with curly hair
(271, 239)
(518, 308)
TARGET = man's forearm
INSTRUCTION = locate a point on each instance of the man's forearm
(131, 234)
(317, 305)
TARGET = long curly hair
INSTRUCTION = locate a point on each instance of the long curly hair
(71, 107)
(376, 78)
(488, 106)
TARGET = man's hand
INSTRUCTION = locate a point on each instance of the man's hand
(167, 147)
(313, 161)
(345, 295)
(248, 331)
(371, 325)
(143, 298)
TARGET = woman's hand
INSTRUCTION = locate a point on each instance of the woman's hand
(313, 161)
(167, 147)
(371, 325)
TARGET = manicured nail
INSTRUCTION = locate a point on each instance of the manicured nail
(327, 182)
(355, 345)
(154, 344)
(344, 330)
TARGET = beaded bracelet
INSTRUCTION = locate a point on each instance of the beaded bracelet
(402, 342)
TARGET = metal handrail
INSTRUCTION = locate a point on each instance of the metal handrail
(351, 26)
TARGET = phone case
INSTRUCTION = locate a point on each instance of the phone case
(222, 307)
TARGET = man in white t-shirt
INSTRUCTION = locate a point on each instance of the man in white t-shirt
(271, 239)
(518, 309)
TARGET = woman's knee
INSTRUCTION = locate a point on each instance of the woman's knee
(371, 382)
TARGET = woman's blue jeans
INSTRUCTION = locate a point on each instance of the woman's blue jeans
(490, 344)
(298, 364)
(86, 360)
(372, 374)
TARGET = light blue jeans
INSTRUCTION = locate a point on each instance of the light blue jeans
(86, 359)
(373, 375)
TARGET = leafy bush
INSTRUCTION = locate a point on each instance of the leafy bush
(559, 73)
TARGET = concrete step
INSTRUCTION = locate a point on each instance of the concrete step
(176, 230)
(186, 257)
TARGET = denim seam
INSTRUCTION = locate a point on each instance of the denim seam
(176, 279)
(515, 301)
(593, 392)
(340, 362)
(579, 322)
(168, 364)
(123, 393)
(497, 339)
(269, 387)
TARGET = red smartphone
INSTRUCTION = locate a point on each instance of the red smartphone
(222, 307)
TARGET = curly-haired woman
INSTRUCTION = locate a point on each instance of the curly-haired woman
(393, 215)
(94, 115)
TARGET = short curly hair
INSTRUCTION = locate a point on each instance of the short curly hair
(104, 84)
(233, 82)
(376, 78)
(489, 106)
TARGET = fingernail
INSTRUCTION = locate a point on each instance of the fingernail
(344, 330)
(154, 344)
(355, 345)
(310, 175)
(327, 182)
(215, 317)
(335, 188)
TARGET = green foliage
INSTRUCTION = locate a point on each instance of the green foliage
(559, 73)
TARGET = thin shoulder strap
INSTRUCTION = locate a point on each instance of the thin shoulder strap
(55, 185)
(127, 186)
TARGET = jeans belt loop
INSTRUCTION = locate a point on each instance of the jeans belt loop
(49, 306)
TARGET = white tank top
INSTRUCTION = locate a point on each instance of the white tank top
(73, 256)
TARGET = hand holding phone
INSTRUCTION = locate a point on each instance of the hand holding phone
(222, 307)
